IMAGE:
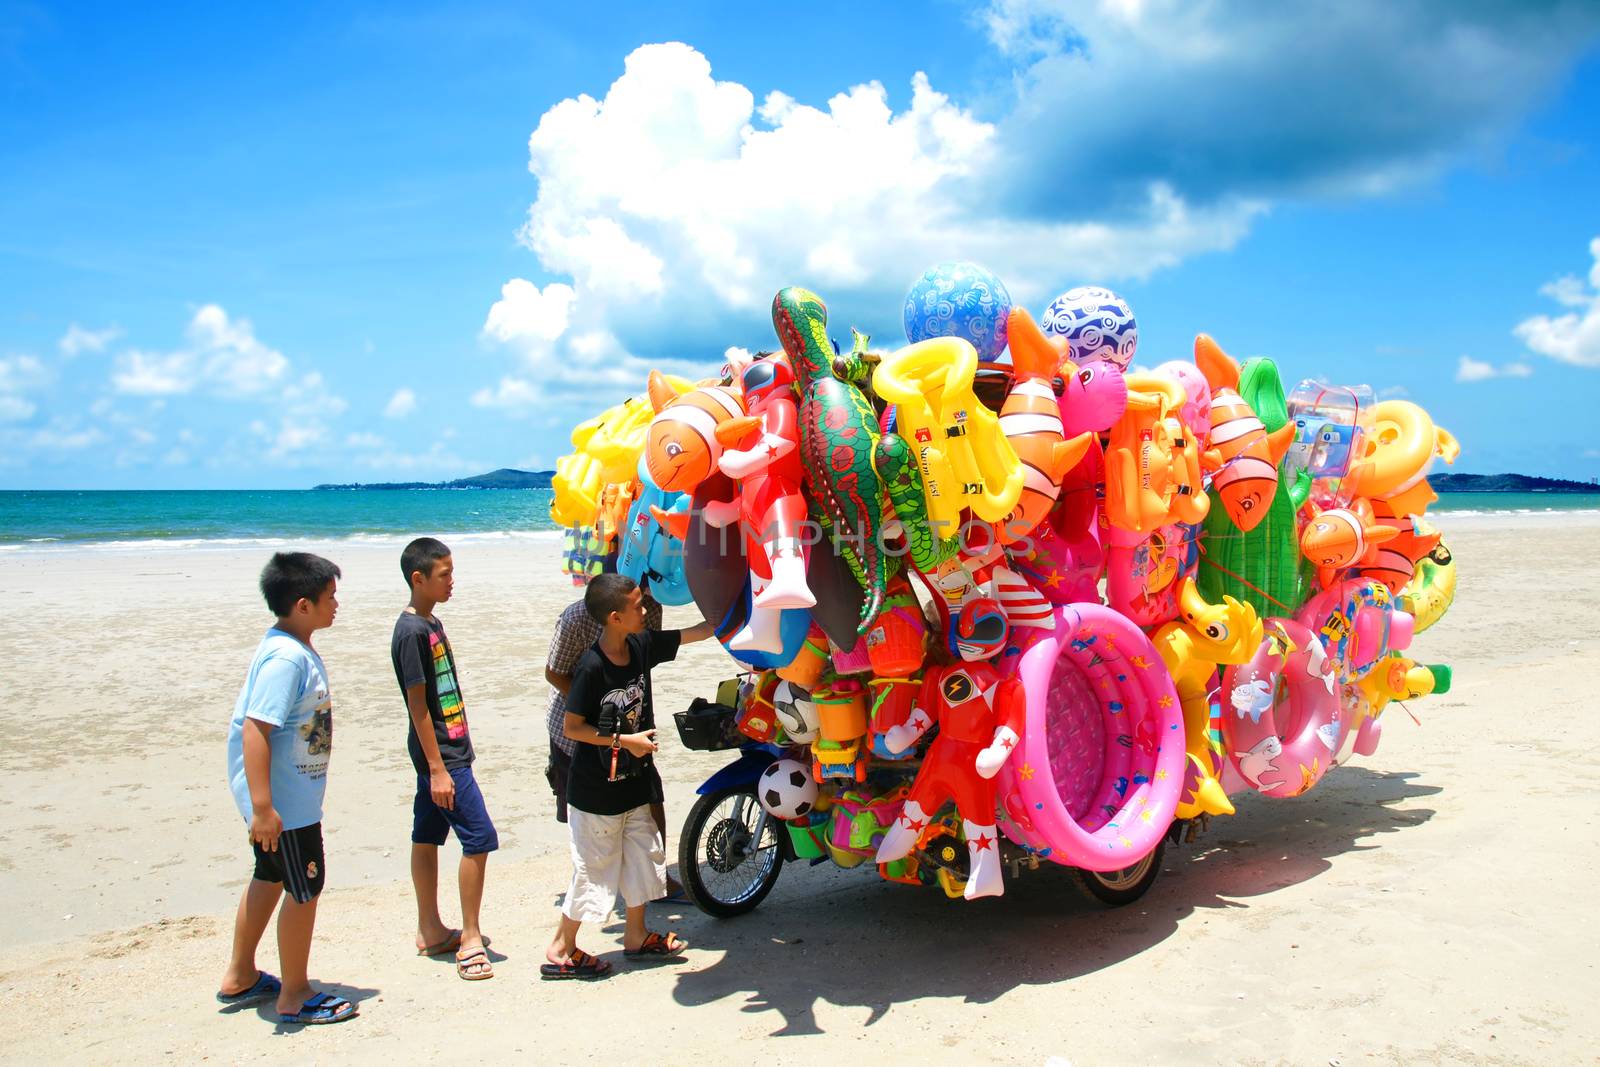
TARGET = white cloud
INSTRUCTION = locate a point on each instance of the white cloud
(1238, 98)
(365, 440)
(14, 408)
(528, 316)
(1476, 370)
(19, 374)
(512, 394)
(78, 340)
(63, 435)
(678, 206)
(223, 357)
(232, 359)
(1575, 336)
(403, 403)
(153, 373)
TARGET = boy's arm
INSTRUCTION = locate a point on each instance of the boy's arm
(698, 632)
(265, 825)
(577, 728)
(440, 784)
(562, 683)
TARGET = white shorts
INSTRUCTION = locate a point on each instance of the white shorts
(614, 854)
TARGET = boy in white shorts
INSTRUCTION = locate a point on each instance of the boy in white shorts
(616, 844)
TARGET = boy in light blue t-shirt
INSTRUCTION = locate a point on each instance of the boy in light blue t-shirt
(278, 747)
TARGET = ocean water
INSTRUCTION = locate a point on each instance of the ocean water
(59, 519)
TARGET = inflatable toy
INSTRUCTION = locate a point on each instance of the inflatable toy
(1243, 458)
(1337, 538)
(1328, 424)
(1062, 558)
(1096, 779)
(1397, 450)
(964, 458)
(1094, 395)
(684, 441)
(958, 300)
(1357, 621)
(1097, 324)
(1203, 637)
(1282, 747)
(1431, 591)
(1196, 411)
(1030, 419)
(838, 432)
(890, 702)
(902, 482)
(576, 484)
(1152, 465)
(1143, 572)
(980, 715)
(647, 553)
(1395, 561)
(767, 467)
(1264, 567)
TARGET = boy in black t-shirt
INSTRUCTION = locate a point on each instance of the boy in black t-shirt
(447, 795)
(616, 845)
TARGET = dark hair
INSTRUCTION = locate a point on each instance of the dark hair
(290, 577)
(607, 593)
(421, 555)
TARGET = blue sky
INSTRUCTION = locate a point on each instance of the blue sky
(247, 248)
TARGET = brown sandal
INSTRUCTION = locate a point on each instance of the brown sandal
(474, 966)
(655, 944)
(579, 965)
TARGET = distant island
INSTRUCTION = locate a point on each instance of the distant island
(504, 478)
(1507, 483)
(511, 478)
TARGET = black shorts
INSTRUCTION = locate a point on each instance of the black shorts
(556, 771)
(298, 863)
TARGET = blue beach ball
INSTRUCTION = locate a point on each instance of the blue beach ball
(959, 300)
(1097, 323)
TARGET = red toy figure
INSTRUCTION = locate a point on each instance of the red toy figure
(980, 715)
(767, 468)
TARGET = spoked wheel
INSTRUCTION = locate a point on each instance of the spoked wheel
(729, 853)
(1117, 888)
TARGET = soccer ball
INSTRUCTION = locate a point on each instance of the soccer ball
(787, 790)
(796, 712)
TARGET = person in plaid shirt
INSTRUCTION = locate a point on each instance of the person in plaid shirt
(575, 632)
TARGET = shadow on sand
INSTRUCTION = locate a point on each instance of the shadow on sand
(786, 955)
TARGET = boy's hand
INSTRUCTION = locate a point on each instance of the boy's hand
(443, 788)
(265, 827)
(640, 744)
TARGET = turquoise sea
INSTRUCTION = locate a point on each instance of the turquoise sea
(111, 517)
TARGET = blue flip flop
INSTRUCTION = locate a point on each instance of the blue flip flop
(267, 986)
(319, 1010)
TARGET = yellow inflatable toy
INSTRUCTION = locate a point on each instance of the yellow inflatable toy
(1394, 677)
(1432, 588)
(1398, 447)
(966, 462)
(1153, 460)
(577, 481)
(605, 452)
(1203, 637)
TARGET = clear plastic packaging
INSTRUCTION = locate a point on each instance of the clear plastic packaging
(1328, 423)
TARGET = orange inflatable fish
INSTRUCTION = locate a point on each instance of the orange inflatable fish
(1342, 537)
(689, 432)
(1030, 419)
(1243, 458)
(1396, 559)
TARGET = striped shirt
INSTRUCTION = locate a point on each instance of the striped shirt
(575, 632)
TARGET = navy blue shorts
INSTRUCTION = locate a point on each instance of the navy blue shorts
(431, 824)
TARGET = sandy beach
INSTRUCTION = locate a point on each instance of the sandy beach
(1430, 904)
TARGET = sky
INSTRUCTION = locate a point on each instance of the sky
(269, 246)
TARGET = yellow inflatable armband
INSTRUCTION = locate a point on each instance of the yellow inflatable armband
(966, 462)
(1152, 468)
